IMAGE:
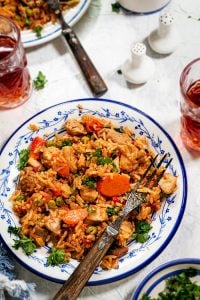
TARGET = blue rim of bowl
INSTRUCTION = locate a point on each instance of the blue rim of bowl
(144, 13)
(178, 221)
(70, 22)
(195, 261)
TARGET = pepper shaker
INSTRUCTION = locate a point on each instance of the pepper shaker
(140, 67)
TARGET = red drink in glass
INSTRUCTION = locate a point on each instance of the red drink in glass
(190, 105)
(14, 75)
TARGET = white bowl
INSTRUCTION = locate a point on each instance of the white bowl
(154, 282)
(143, 6)
(164, 223)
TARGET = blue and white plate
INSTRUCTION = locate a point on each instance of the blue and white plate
(154, 282)
(164, 223)
(51, 31)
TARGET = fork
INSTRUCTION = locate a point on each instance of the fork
(73, 286)
(93, 78)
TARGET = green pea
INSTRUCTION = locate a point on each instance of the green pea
(20, 198)
(52, 204)
(38, 202)
(59, 201)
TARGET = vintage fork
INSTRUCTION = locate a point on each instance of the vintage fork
(93, 78)
(73, 286)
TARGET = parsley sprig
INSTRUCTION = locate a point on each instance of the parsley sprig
(56, 257)
(23, 159)
(40, 81)
(26, 244)
(141, 231)
(90, 182)
(14, 230)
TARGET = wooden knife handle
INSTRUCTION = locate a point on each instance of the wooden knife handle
(73, 286)
(96, 83)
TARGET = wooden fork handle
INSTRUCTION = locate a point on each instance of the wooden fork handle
(95, 81)
(73, 286)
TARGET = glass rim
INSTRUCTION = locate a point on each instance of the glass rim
(17, 40)
(185, 72)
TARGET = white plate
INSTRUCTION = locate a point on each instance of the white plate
(165, 222)
(154, 282)
(51, 31)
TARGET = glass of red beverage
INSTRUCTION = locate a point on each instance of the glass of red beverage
(190, 105)
(15, 83)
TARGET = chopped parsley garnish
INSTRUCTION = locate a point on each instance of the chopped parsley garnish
(26, 244)
(23, 159)
(179, 287)
(56, 257)
(107, 160)
(90, 182)
(116, 7)
(14, 230)
(67, 143)
(111, 211)
(38, 31)
(96, 153)
(40, 81)
(141, 231)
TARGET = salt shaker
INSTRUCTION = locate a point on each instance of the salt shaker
(140, 67)
(165, 38)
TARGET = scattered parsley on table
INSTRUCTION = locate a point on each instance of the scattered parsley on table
(40, 81)
(116, 7)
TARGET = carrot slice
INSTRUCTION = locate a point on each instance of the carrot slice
(113, 185)
(36, 145)
(93, 125)
(72, 217)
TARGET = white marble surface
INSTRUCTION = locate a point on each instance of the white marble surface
(107, 37)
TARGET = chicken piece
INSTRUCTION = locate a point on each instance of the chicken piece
(74, 127)
(126, 164)
(48, 155)
(98, 215)
(168, 183)
(88, 195)
(116, 137)
(35, 164)
(125, 232)
(39, 234)
(53, 224)
(68, 154)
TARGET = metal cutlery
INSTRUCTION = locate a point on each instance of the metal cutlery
(93, 78)
(73, 286)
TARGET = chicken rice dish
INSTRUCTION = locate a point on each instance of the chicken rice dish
(72, 186)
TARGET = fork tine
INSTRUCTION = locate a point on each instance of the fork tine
(163, 171)
(145, 173)
(155, 170)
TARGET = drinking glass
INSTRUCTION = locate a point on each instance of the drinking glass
(15, 84)
(190, 105)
